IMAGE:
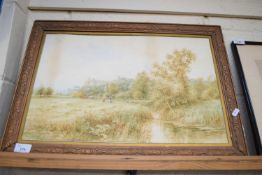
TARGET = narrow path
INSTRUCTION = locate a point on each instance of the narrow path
(157, 131)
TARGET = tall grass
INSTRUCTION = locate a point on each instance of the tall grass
(116, 122)
(208, 114)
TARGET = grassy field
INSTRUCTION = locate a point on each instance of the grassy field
(91, 120)
(76, 119)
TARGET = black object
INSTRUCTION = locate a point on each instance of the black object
(131, 172)
(243, 83)
(1, 4)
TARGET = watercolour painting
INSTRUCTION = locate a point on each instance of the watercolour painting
(126, 89)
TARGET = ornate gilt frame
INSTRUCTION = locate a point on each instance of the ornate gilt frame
(28, 70)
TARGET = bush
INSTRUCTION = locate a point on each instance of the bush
(43, 91)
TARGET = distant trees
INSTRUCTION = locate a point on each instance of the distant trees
(198, 87)
(93, 91)
(211, 90)
(204, 89)
(44, 91)
(49, 91)
(167, 87)
(96, 89)
(40, 91)
(80, 93)
(112, 89)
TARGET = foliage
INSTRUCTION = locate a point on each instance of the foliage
(175, 68)
(140, 86)
(123, 83)
(96, 89)
(44, 91)
(171, 82)
(40, 91)
(204, 90)
(211, 90)
(112, 89)
(80, 93)
(49, 91)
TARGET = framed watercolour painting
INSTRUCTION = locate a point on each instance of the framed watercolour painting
(111, 88)
(249, 63)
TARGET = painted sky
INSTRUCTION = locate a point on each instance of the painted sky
(69, 60)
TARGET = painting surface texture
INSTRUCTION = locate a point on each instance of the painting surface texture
(101, 88)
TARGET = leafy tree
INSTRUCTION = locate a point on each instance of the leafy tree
(175, 68)
(40, 91)
(80, 93)
(123, 83)
(43, 91)
(211, 91)
(95, 91)
(112, 89)
(171, 82)
(204, 89)
(197, 89)
(140, 86)
(48, 91)
(163, 97)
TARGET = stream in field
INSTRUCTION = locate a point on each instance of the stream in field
(167, 132)
(157, 131)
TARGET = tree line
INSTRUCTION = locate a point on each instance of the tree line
(166, 87)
